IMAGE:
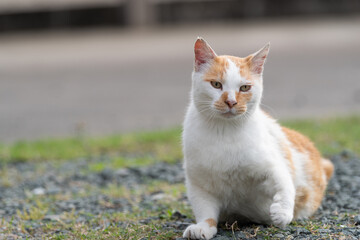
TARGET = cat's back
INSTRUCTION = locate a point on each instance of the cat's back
(315, 164)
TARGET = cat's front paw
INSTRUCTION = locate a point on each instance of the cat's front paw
(200, 231)
(280, 216)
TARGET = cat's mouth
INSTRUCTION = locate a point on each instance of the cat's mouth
(231, 113)
(228, 114)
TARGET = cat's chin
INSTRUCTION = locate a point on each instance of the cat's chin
(230, 115)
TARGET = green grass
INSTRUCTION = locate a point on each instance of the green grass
(329, 135)
(121, 162)
(36, 212)
(162, 145)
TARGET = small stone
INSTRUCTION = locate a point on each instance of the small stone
(302, 231)
(357, 220)
(53, 190)
(347, 233)
(177, 215)
(278, 235)
(158, 196)
(106, 174)
(220, 238)
(38, 191)
(122, 172)
(324, 230)
(346, 153)
(81, 219)
(182, 225)
(52, 218)
(144, 221)
(240, 235)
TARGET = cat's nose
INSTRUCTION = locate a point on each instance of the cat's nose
(231, 103)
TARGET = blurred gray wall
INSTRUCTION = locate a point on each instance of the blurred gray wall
(50, 14)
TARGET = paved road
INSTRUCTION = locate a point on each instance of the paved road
(113, 81)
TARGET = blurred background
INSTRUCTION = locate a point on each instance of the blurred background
(100, 67)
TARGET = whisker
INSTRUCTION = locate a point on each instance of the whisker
(272, 111)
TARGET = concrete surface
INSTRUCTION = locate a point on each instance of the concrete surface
(119, 80)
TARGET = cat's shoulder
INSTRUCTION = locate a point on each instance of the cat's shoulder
(299, 141)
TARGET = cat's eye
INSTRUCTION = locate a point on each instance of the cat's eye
(216, 84)
(245, 88)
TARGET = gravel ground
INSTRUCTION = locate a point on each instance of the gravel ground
(71, 188)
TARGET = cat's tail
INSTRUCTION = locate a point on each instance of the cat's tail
(328, 168)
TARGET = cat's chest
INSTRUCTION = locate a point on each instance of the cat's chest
(235, 151)
(231, 165)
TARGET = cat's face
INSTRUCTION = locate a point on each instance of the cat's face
(226, 86)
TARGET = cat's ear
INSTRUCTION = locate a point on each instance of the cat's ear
(203, 53)
(257, 60)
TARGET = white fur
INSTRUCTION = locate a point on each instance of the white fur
(200, 231)
(235, 166)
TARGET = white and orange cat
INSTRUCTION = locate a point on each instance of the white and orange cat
(240, 164)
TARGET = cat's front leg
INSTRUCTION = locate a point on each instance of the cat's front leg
(282, 208)
(206, 210)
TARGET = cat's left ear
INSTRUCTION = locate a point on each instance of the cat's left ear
(257, 60)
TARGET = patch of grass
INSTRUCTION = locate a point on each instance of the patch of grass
(36, 212)
(167, 202)
(164, 145)
(174, 190)
(121, 162)
(170, 191)
(4, 177)
(133, 231)
(150, 231)
(331, 135)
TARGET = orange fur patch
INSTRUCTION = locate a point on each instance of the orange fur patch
(328, 168)
(219, 65)
(244, 64)
(301, 198)
(267, 114)
(314, 168)
(242, 99)
(211, 222)
(217, 70)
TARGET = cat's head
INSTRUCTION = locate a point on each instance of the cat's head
(226, 86)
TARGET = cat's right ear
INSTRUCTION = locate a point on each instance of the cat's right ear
(203, 53)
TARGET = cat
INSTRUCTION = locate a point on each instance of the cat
(239, 162)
